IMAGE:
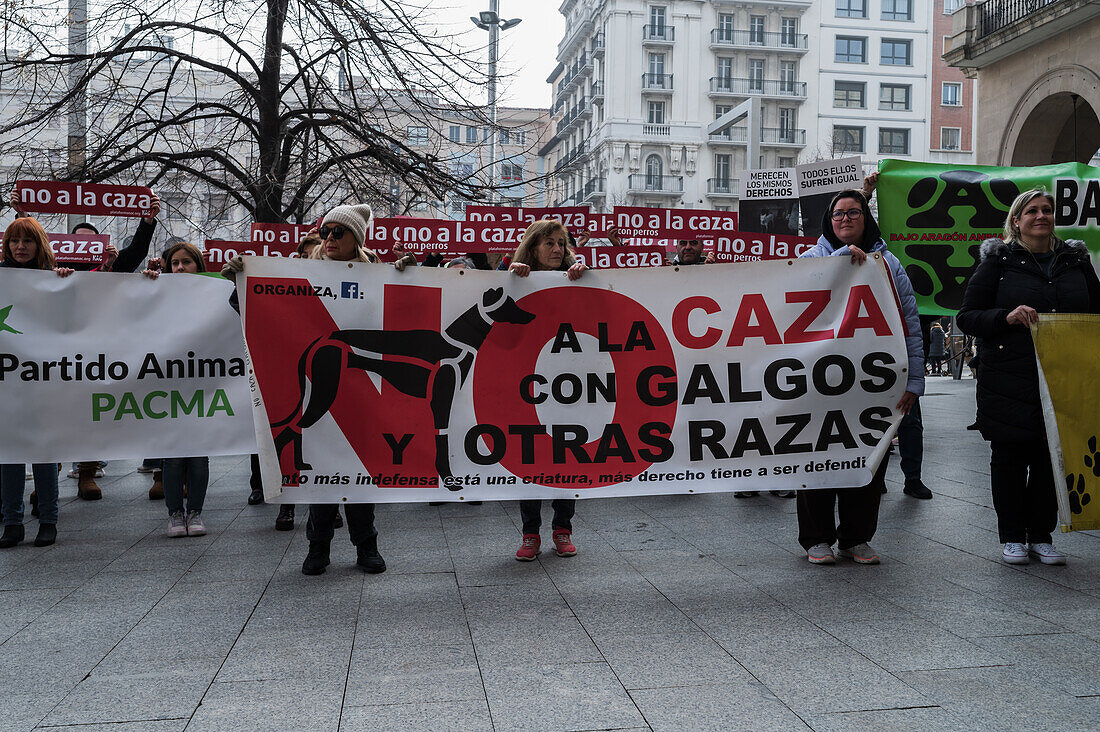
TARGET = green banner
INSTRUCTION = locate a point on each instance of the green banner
(934, 217)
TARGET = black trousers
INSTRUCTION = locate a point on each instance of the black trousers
(1023, 491)
(857, 507)
(322, 521)
(531, 514)
(255, 482)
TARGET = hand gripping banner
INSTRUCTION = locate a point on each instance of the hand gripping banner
(105, 366)
(377, 385)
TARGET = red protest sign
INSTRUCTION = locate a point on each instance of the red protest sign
(745, 246)
(574, 218)
(672, 223)
(92, 199)
(283, 238)
(630, 257)
(80, 248)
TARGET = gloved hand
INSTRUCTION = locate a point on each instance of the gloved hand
(232, 267)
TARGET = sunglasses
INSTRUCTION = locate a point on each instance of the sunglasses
(852, 213)
(336, 232)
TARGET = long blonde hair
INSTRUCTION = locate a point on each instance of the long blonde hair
(536, 232)
(362, 254)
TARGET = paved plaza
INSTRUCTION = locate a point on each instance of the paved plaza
(680, 613)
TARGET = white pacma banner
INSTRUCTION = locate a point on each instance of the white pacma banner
(102, 366)
(378, 385)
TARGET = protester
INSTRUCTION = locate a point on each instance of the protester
(183, 258)
(936, 350)
(1028, 272)
(309, 242)
(689, 251)
(26, 246)
(544, 249)
(343, 235)
(851, 231)
(910, 437)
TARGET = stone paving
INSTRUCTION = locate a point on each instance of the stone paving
(679, 613)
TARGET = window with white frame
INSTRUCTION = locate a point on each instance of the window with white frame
(788, 31)
(519, 137)
(417, 135)
(725, 27)
(950, 138)
(654, 170)
(454, 133)
(788, 76)
(217, 207)
(756, 75)
(950, 6)
(951, 94)
(723, 164)
(511, 171)
(656, 113)
(756, 30)
(471, 135)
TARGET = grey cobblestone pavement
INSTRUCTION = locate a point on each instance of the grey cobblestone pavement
(679, 613)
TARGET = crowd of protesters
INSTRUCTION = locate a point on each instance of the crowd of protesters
(1028, 272)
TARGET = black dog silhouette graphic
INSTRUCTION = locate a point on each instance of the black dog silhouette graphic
(451, 351)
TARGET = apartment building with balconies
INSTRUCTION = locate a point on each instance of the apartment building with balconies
(638, 82)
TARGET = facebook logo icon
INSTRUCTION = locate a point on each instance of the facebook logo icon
(349, 290)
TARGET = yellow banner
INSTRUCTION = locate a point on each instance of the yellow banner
(1066, 347)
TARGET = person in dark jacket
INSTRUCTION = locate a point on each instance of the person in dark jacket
(26, 246)
(851, 231)
(1028, 272)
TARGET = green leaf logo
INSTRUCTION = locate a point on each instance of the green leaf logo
(4, 327)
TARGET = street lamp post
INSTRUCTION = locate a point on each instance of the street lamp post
(491, 21)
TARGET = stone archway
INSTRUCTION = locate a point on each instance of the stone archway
(1041, 129)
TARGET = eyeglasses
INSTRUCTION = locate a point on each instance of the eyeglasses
(336, 232)
(852, 213)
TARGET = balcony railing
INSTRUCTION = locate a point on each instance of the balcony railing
(573, 155)
(768, 136)
(752, 86)
(994, 15)
(722, 186)
(596, 92)
(656, 82)
(592, 188)
(597, 47)
(748, 38)
(655, 183)
(659, 33)
(657, 130)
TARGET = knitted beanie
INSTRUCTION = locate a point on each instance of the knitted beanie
(355, 219)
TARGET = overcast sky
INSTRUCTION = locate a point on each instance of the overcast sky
(528, 52)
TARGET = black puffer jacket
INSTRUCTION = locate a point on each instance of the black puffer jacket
(1007, 277)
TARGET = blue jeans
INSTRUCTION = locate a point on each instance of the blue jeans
(911, 442)
(12, 484)
(195, 471)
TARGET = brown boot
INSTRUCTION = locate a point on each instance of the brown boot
(86, 487)
(156, 491)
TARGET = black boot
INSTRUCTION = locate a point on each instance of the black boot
(369, 558)
(255, 498)
(47, 534)
(316, 559)
(13, 534)
(34, 503)
(285, 520)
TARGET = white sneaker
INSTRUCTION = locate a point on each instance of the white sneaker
(860, 554)
(195, 526)
(1046, 553)
(1015, 553)
(820, 554)
(177, 524)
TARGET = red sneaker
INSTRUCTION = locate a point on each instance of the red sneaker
(563, 543)
(532, 545)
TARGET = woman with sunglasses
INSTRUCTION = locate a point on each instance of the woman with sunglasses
(849, 230)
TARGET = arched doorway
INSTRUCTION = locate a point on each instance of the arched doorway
(1055, 120)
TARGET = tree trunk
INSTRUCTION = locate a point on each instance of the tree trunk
(269, 203)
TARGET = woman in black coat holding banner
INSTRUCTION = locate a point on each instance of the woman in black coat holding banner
(545, 248)
(26, 246)
(1028, 272)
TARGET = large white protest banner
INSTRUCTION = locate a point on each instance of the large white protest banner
(377, 385)
(101, 365)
